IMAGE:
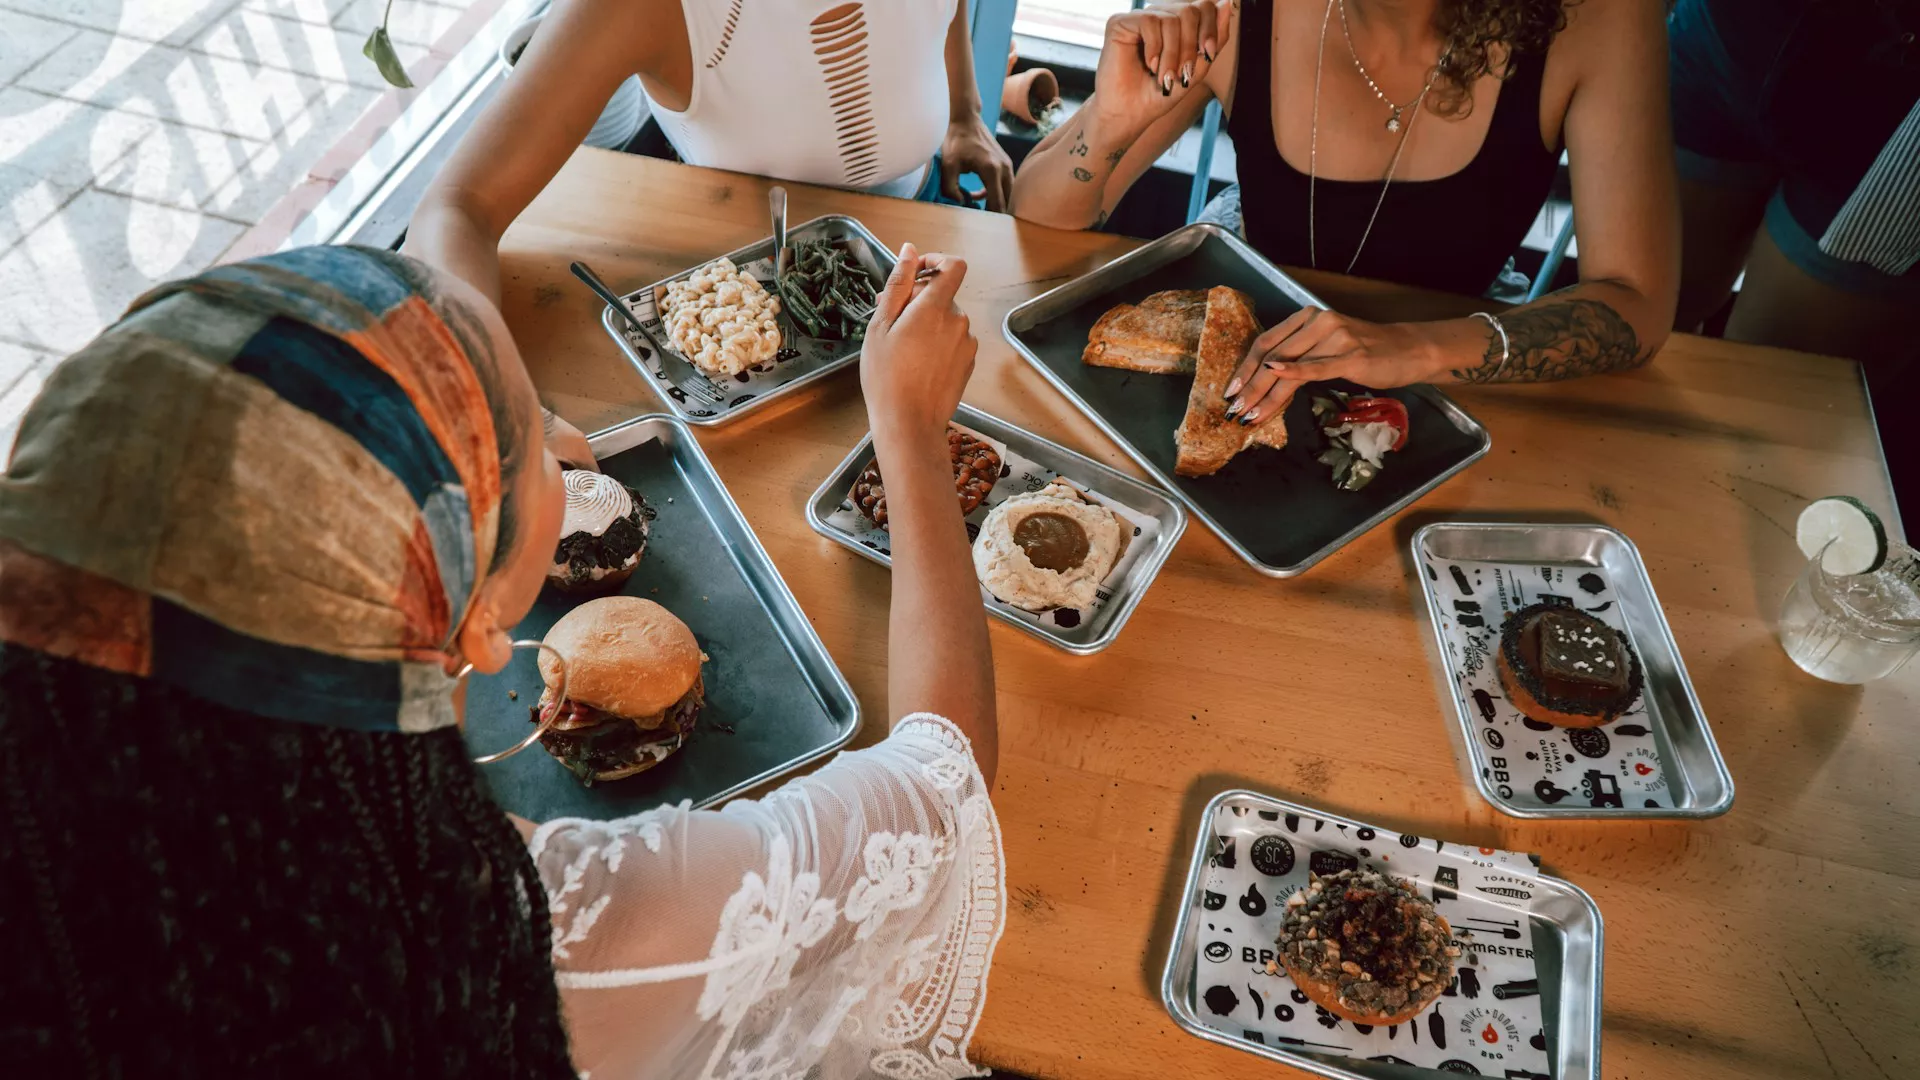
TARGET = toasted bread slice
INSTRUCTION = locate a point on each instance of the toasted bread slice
(1157, 335)
(1207, 438)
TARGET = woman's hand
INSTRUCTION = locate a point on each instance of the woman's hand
(566, 442)
(1152, 56)
(1315, 345)
(918, 352)
(970, 148)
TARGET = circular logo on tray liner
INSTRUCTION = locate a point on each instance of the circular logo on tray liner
(1492, 1034)
(1640, 770)
(1272, 855)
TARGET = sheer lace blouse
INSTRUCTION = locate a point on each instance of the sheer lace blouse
(843, 923)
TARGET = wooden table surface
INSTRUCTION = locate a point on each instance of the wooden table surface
(1779, 940)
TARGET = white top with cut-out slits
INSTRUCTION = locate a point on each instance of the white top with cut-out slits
(847, 93)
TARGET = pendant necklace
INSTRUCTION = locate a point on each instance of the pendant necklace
(1313, 139)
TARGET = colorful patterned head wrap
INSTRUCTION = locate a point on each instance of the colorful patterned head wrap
(276, 486)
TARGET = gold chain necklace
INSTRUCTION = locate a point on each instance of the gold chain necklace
(1313, 145)
(1394, 111)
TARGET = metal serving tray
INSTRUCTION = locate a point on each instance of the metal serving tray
(1278, 510)
(1659, 760)
(1246, 835)
(1088, 635)
(801, 359)
(775, 699)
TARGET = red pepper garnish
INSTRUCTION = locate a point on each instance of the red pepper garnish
(1378, 410)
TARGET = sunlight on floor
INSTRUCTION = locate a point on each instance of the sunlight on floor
(140, 138)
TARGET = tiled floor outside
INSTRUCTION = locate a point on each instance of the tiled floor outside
(140, 138)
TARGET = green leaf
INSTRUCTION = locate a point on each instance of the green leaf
(379, 49)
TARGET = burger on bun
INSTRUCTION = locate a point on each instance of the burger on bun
(633, 687)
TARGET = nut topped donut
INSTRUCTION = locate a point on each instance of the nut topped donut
(1366, 947)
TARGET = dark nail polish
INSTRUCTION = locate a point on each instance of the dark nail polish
(1164, 91)
(1184, 80)
(1207, 54)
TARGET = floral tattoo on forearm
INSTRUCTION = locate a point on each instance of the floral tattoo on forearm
(1564, 337)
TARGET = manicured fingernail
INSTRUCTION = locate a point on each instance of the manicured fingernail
(1207, 51)
(1234, 386)
(1153, 64)
(1234, 407)
(1186, 73)
(1247, 420)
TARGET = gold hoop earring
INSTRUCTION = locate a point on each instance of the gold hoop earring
(546, 721)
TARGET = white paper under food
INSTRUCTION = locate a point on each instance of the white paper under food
(1019, 476)
(1488, 1022)
(1528, 762)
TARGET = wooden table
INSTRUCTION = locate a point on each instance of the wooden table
(1778, 940)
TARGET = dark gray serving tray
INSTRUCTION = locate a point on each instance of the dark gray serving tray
(1278, 510)
(775, 699)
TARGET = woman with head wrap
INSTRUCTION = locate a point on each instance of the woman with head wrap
(248, 539)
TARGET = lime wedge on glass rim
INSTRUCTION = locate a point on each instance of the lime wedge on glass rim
(1850, 535)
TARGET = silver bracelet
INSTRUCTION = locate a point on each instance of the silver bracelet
(1506, 349)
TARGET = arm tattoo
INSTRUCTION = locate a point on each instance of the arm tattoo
(1562, 338)
(1082, 175)
(1114, 157)
(1101, 221)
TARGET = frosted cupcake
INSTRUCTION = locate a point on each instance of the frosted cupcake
(602, 537)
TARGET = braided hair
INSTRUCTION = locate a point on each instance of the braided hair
(187, 890)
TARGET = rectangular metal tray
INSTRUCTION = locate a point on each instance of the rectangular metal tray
(1592, 562)
(1278, 510)
(775, 699)
(1089, 635)
(802, 359)
(1563, 922)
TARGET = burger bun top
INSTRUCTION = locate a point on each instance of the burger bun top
(627, 656)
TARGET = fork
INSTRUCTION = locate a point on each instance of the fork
(860, 312)
(695, 385)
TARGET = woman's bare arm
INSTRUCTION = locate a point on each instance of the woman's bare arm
(1158, 69)
(1626, 213)
(969, 145)
(585, 49)
(1626, 209)
(914, 366)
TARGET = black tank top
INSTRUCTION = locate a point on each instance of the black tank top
(1454, 234)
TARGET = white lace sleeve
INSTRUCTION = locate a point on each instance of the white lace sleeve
(846, 922)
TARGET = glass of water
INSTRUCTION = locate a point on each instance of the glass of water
(1854, 628)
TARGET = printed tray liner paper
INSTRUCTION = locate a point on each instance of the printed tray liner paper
(801, 359)
(775, 698)
(1502, 1016)
(1531, 768)
(1147, 537)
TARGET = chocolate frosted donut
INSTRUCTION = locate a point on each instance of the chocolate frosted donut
(603, 536)
(1560, 665)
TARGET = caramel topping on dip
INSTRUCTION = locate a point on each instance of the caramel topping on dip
(1052, 541)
